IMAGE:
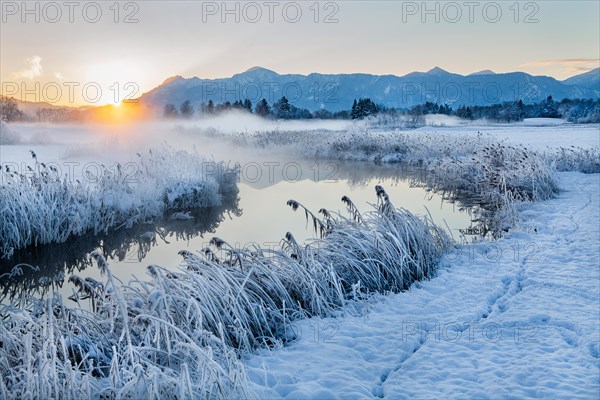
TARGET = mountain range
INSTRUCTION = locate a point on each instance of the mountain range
(336, 92)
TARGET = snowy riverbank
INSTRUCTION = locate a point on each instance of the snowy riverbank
(515, 318)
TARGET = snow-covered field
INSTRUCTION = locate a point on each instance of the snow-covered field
(537, 133)
(517, 318)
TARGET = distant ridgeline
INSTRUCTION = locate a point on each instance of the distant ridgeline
(497, 97)
(333, 96)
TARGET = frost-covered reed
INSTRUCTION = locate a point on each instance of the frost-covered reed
(53, 263)
(180, 334)
(41, 206)
(574, 159)
(384, 250)
(493, 180)
(122, 349)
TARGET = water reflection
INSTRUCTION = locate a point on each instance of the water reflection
(43, 268)
(262, 175)
(265, 221)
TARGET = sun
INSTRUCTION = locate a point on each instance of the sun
(114, 82)
(120, 113)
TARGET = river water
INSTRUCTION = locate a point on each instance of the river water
(257, 215)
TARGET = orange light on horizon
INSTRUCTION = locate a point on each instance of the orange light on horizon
(121, 113)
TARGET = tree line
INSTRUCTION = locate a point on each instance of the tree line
(573, 110)
(281, 109)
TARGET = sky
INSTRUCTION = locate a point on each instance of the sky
(93, 53)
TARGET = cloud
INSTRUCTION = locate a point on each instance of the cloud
(579, 70)
(59, 76)
(35, 69)
(574, 63)
(564, 67)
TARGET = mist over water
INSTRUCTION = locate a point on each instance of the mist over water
(269, 177)
(120, 142)
(270, 174)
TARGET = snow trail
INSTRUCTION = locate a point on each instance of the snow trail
(514, 318)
